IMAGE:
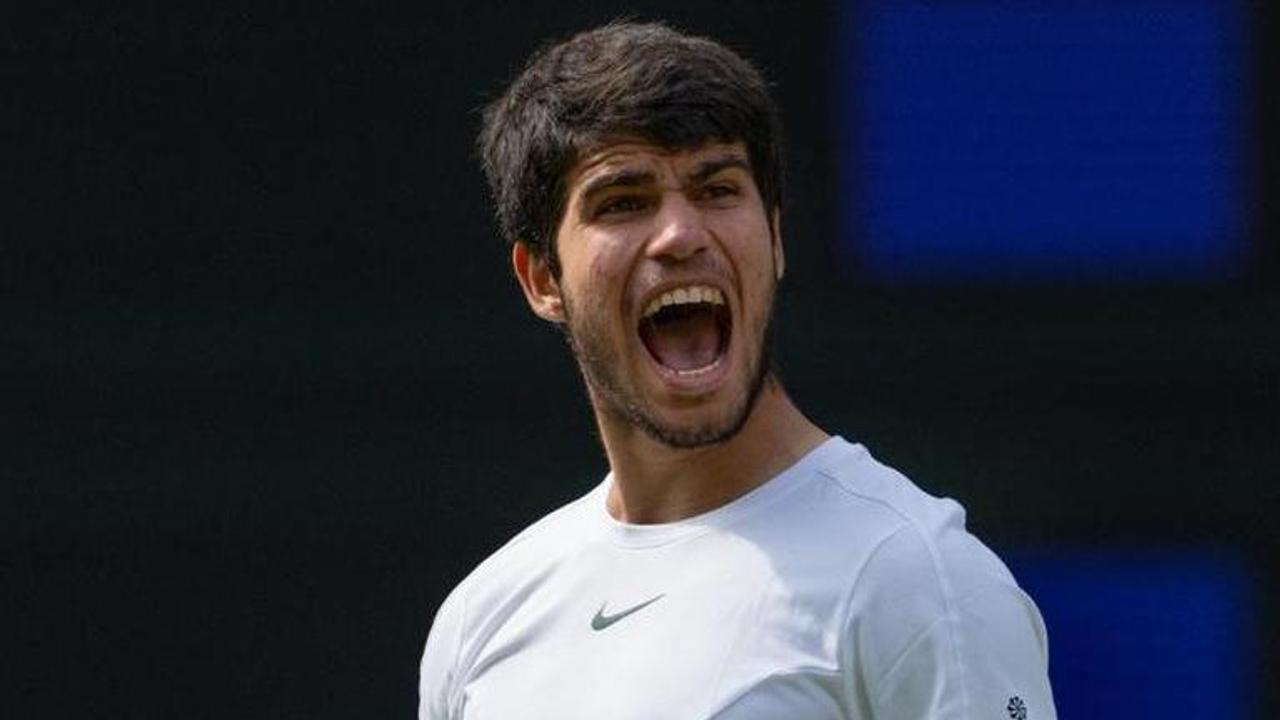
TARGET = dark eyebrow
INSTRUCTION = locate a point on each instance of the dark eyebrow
(624, 177)
(616, 178)
(709, 168)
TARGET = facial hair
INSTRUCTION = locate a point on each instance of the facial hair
(613, 393)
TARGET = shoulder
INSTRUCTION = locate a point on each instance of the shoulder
(915, 541)
(839, 506)
(932, 611)
(876, 546)
(488, 594)
(890, 514)
(538, 548)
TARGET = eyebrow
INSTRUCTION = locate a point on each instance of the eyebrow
(617, 178)
(624, 177)
(709, 168)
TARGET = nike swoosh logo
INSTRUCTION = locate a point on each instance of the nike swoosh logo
(602, 621)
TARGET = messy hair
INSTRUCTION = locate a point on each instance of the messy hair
(622, 80)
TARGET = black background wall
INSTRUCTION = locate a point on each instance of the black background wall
(267, 389)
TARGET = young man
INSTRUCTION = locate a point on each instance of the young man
(736, 562)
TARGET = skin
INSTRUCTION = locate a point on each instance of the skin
(640, 219)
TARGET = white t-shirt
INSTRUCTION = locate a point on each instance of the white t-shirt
(838, 589)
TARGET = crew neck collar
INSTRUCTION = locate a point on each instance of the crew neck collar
(652, 535)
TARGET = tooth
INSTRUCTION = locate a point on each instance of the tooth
(681, 296)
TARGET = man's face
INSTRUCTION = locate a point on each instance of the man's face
(669, 262)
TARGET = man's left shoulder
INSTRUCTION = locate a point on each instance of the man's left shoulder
(859, 501)
(932, 611)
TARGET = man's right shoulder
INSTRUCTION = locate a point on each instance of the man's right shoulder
(536, 550)
(492, 592)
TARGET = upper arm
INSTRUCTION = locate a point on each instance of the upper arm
(438, 672)
(943, 636)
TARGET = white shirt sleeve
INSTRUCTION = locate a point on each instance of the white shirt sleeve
(440, 661)
(941, 631)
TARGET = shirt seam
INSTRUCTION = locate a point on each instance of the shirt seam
(948, 602)
(911, 644)
(846, 651)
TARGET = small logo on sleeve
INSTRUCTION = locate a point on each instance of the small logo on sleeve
(1017, 709)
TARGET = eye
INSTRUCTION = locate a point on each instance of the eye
(620, 205)
(720, 192)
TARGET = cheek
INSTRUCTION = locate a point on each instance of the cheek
(596, 282)
(597, 277)
(605, 271)
(753, 249)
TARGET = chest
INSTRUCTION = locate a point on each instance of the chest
(700, 633)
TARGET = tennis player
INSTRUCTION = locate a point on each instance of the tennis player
(737, 561)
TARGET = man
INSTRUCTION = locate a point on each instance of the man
(736, 562)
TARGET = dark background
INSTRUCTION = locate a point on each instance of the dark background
(267, 389)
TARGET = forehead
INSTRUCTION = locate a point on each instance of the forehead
(640, 156)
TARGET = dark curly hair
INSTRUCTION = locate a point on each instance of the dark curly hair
(622, 80)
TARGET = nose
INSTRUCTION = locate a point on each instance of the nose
(680, 231)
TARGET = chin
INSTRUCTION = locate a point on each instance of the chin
(691, 438)
(702, 431)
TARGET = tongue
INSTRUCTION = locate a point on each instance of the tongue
(684, 339)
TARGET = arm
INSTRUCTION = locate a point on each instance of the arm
(940, 630)
(438, 671)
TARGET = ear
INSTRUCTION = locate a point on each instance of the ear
(539, 284)
(779, 257)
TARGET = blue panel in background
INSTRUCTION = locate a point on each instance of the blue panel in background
(1045, 142)
(1155, 634)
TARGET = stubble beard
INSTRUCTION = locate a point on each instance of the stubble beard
(613, 394)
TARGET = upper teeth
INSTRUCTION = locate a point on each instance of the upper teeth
(685, 295)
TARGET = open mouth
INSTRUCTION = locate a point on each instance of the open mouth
(686, 330)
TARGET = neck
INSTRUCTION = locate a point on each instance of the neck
(656, 483)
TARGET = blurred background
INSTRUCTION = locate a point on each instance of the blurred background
(267, 389)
